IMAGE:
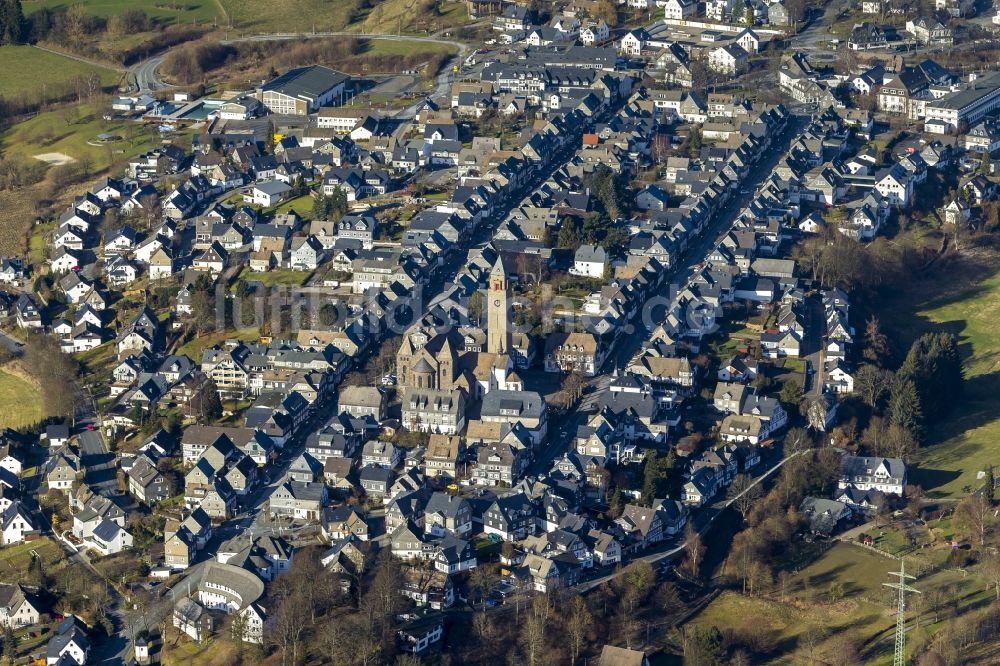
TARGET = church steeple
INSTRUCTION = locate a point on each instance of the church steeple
(498, 311)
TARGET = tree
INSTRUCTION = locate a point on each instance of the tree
(872, 383)
(876, 436)
(291, 617)
(10, 644)
(12, 23)
(744, 492)
(569, 235)
(55, 372)
(577, 625)
(533, 631)
(656, 472)
(702, 647)
(991, 571)
(210, 405)
(797, 440)
(475, 307)
(974, 515)
(876, 342)
(694, 548)
(203, 309)
(606, 11)
(791, 394)
(900, 442)
(481, 580)
(269, 139)
(904, 404)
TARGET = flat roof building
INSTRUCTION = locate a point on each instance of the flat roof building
(304, 90)
(964, 108)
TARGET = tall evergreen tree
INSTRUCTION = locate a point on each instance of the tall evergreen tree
(905, 406)
(12, 24)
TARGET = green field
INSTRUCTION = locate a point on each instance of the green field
(30, 72)
(404, 48)
(73, 132)
(20, 402)
(188, 11)
(969, 439)
(838, 595)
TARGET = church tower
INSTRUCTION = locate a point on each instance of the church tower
(498, 311)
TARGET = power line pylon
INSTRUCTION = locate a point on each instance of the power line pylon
(900, 657)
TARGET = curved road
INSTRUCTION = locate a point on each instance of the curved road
(147, 78)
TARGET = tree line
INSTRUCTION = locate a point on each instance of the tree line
(904, 403)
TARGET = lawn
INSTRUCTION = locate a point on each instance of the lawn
(73, 132)
(404, 48)
(30, 72)
(20, 402)
(283, 277)
(301, 205)
(198, 11)
(969, 439)
(841, 592)
(14, 559)
(196, 346)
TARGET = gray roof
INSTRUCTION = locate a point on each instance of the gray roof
(525, 404)
(853, 466)
(591, 253)
(239, 584)
(272, 187)
(106, 530)
(308, 82)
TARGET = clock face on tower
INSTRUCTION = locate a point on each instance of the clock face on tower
(496, 302)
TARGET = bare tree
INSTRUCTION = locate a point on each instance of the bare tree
(974, 514)
(744, 492)
(797, 440)
(991, 571)
(291, 617)
(577, 625)
(872, 383)
(694, 547)
(533, 632)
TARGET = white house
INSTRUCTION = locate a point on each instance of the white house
(729, 59)
(633, 42)
(589, 261)
(866, 473)
(15, 523)
(595, 33)
(895, 185)
(679, 9)
(749, 40)
(15, 609)
(268, 193)
(108, 538)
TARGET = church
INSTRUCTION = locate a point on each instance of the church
(439, 358)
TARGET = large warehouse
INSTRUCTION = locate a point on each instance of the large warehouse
(304, 90)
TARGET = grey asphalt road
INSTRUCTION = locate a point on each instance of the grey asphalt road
(145, 74)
